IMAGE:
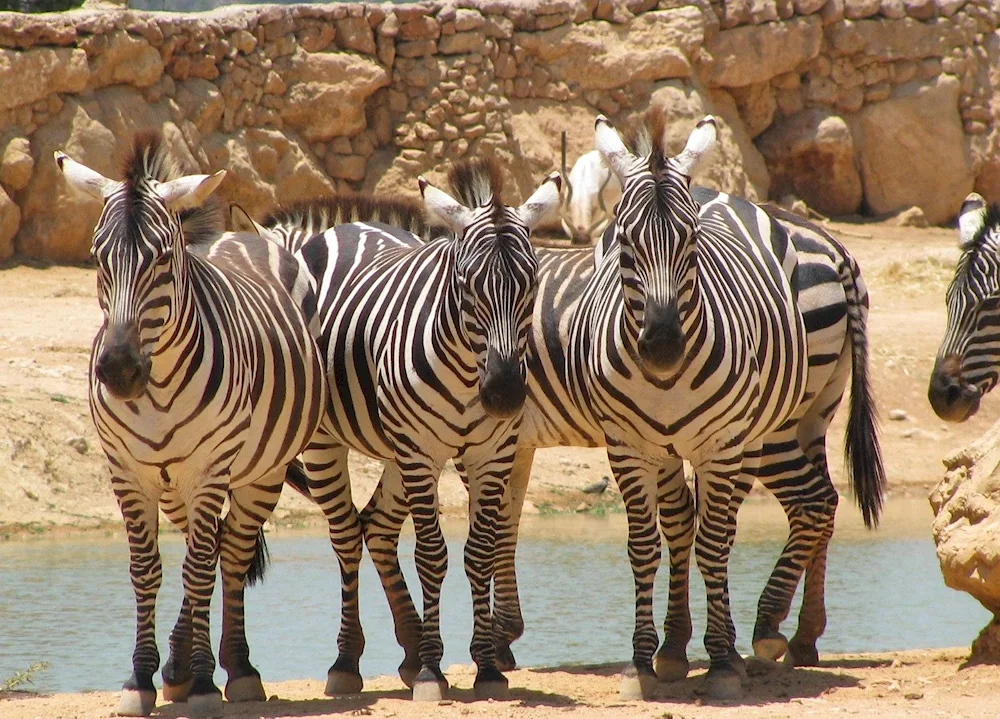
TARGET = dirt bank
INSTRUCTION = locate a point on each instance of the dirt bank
(52, 477)
(914, 684)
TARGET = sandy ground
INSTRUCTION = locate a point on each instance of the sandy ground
(915, 685)
(52, 480)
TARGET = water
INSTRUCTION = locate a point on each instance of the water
(68, 602)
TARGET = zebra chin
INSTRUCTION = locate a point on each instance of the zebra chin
(952, 399)
(123, 371)
(661, 344)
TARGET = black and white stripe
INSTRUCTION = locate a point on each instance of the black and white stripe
(425, 346)
(205, 382)
(968, 360)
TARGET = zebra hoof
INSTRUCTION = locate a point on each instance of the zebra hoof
(340, 682)
(802, 655)
(637, 685)
(505, 658)
(204, 706)
(430, 686)
(739, 665)
(771, 647)
(245, 689)
(671, 667)
(177, 692)
(136, 703)
(491, 684)
(409, 670)
(723, 684)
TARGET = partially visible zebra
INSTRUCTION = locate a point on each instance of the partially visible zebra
(968, 360)
(688, 343)
(425, 348)
(833, 301)
(205, 382)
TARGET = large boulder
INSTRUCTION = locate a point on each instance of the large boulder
(966, 529)
(913, 151)
(602, 56)
(123, 59)
(327, 91)
(10, 221)
(30, 75)
(756, 53)
(811, 155)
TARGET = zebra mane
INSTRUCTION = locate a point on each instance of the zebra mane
(320, 214)
(477, 182)
(645, 137)
(150, 159)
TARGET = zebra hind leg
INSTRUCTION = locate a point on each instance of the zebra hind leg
(676, 516)
(249, 508)
(138, 697)
(637, 481)
(325, 462)
(382, 521)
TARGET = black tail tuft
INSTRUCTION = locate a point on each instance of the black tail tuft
(261, 558)
(295, 477)
(862, 455)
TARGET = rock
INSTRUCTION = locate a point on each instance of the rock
(201, 102)
(460, 43)
(602, 56)
(811, 155)
(10, 222)
(265, 167)
(757, 104)
(892, 9)
(905, 39)
(79, 444)
(327, 92)
(896, 171)
(17, 164)
(582, 507)
(30, 75)
(354, 33)
(920, 9)
(124, 59)
(898, 415)
(911, 217)
(966, 529)
(752, 54)
(858, 9)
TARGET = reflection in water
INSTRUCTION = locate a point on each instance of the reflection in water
(69, 602)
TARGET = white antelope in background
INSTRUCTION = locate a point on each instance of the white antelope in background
(590, 185)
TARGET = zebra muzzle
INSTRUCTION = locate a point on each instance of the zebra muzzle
(661, 339)
(120, 366)
(502, 389)
(952, 399)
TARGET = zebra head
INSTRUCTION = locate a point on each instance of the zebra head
(495, 270)
(138, 246)
(969, 356)
(656, 225)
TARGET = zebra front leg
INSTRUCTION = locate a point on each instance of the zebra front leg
(636, 479)
(139, 510)
(676, 514)
(420, 475)
(325, 463)
(382, 520)
(198, 571)
(713, 541)
(176, 671)
(489, 523)
(249, 508)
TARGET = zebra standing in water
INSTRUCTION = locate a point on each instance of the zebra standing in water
(205, 382)
(706, 315)
(833, 301)
(425, 348)
(968, 360)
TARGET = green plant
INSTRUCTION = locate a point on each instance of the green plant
(22, 677)
(60, 398)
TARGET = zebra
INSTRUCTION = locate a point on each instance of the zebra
(690, 305)
(833, 301)
(967, 361)
(424, 344)
(205, 381)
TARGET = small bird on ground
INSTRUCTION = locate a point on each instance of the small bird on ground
(597, 487)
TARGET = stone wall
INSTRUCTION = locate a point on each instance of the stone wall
(855, 106)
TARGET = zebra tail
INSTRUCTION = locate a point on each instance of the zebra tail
(863, 455)
(261, 559)
(295, 477)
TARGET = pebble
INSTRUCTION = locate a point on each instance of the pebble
(898, 415)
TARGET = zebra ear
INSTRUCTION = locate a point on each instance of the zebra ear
(443, 209)
(971, 218)
(699, 145)
(242, 222)
(83, 178)
(609, 143)
(190, 191)
(544, 201)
